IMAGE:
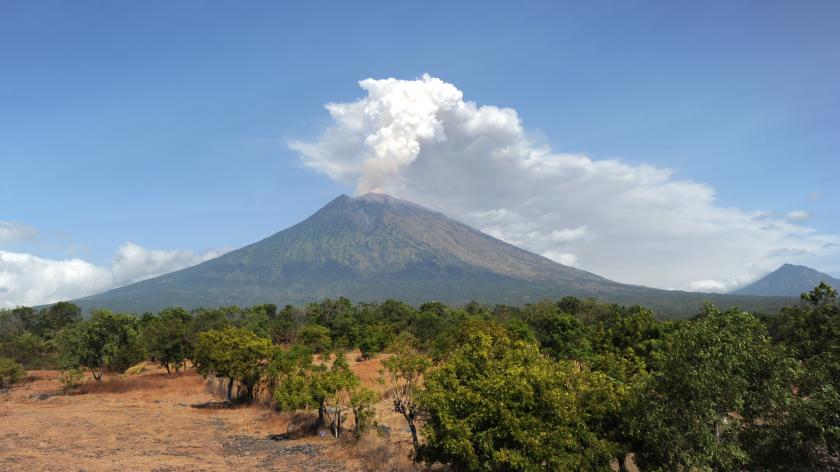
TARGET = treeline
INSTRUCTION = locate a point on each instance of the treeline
(567, 385)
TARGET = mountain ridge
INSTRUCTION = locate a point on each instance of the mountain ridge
(788, 280)
(375, 247)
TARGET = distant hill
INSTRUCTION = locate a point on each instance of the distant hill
(788, 280)
(376, 247)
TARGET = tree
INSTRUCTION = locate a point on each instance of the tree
(51, 320)
(30, 350)
(167, 338)
(361, 402)
(105, 341)
(315, 337)
(335, 387)
(719, 378)
(301, 384)
(10, 372)
(499, 404)
(805, 435)
(374, 338)
(235, 354)
(405, 368)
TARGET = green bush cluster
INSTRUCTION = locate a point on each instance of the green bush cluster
(574, 384)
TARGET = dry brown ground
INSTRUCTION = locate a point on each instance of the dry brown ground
(146, 422)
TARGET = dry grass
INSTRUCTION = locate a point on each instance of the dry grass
(144, 422)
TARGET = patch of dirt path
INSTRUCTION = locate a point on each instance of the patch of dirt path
(145, 422)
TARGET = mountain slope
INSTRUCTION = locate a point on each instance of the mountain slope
(375, 247)
(788, 280)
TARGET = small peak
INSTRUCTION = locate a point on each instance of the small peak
(376, 197)
(788, 266)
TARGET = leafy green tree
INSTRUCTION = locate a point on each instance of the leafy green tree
(335, 387)
(235, 354)
(301, 384)
(373, 339)
(405, 369)
(721, 376)
(499, 404)
(57, 316)
(805, 435)
(315, 337)
(564, 337)
(290, 376)
(361, 402)
(30, 350)
(208, 320)
(105, 341)
(283, 327)
(167, 338)
(10, 372)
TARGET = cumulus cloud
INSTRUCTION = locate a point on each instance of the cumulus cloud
(12, 232)
(30, 280)
(420, 140)
(134, 263)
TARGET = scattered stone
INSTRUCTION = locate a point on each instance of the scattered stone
(212, 405)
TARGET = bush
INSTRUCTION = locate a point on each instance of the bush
(315, 337)
(10, 372)
(235, 354)
(71, 379)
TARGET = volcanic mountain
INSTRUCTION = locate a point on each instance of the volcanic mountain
(376, 247)
(788, 280)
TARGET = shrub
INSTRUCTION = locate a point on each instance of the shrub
(237, 354)
(10, 372)
(71, 379)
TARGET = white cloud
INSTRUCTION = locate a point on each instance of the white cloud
(30, 280)
(707, 285)
(798, 215)
(564, 258)
(133, 263)
(12, 232)
(419, 140)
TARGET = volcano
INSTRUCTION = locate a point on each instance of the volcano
(375, 247)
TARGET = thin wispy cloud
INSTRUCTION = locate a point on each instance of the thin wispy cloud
(420, 140)
(13, 232)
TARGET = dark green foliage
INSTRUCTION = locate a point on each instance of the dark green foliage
(235, 354)
(374, 338)
(10, 372)
(806, 435)
(167, 338)
(105, 341)
(315, 337)
(499, 404)
(567, 385)
(719, 377)
(30, 350)
(302, 384)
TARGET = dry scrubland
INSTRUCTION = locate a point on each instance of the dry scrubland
(147, 422)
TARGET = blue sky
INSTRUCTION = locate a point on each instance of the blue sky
(167, 123)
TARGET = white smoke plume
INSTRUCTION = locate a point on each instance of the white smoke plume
(420, 140)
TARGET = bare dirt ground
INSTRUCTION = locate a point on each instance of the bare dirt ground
(146, 422)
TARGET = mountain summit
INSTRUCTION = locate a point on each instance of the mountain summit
(375, 247)
(788, 280)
